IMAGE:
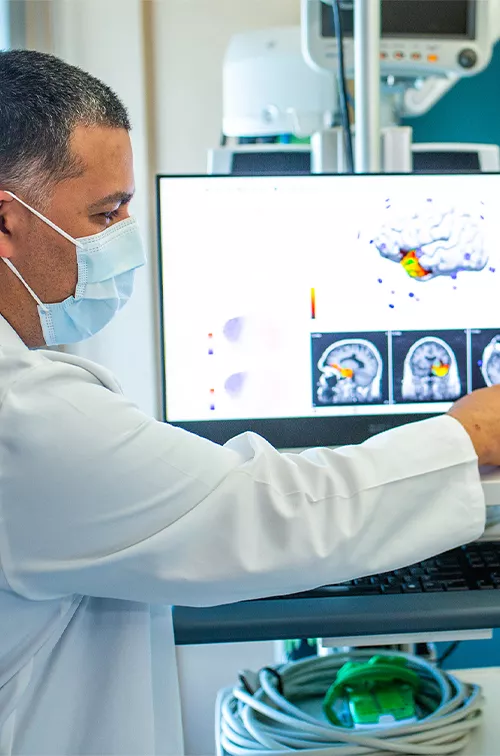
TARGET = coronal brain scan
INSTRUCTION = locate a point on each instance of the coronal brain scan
(351, 372)
(430, 372)
(433, 239)
(490, 362)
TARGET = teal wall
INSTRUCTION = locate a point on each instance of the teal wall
(470, 112)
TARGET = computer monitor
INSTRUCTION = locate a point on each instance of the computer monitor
(320, 310)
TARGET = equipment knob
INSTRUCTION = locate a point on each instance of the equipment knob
(467, 58)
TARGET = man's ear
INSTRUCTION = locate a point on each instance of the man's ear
(6, 249)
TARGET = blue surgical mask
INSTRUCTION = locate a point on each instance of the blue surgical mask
(106, 265)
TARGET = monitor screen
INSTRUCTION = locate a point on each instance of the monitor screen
(271, 163)
(411, 18)
(453, 161)
(319, 310)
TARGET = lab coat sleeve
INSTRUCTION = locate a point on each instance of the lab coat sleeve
(98, 499)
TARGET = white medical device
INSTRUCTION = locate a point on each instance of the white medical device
(418, 37)
(268, 88)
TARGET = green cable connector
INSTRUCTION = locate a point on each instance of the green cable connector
(380, 692)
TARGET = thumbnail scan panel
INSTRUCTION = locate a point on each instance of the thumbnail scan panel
(485, 358)
(429, 367)
(402, 367)
(348, 369)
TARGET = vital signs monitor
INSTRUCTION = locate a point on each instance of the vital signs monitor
(323, 309)
(426, 37)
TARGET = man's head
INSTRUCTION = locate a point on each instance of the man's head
(65, 150)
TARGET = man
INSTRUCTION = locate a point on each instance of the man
(107, 516)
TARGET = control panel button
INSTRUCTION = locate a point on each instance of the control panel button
(432, 58)
(383, 55)
(416, 56)
(399, 55)
(467, 58)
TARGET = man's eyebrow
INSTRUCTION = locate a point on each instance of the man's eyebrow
(112, 199)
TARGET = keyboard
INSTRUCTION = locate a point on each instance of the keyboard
(475, 567)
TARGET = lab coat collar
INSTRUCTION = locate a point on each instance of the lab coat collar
(9, 337)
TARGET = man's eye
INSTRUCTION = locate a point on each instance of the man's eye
(111, 214)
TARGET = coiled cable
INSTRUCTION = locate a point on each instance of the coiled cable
(267, 722)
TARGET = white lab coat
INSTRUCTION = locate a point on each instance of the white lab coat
(107, 517)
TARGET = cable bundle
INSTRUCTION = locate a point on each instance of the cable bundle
(268, 723)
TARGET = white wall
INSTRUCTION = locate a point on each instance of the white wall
(190, 41)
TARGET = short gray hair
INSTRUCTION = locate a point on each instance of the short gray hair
(42, 100)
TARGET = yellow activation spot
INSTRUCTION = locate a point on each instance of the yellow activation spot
(410, 263)
(440, 369)
(344, 372)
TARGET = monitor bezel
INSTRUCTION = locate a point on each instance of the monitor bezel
(292, 432)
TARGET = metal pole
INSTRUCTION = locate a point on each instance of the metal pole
(367, 25)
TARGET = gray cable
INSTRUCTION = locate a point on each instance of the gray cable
(269, 724)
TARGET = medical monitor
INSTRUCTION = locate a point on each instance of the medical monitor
(320, 310)
(417, 36)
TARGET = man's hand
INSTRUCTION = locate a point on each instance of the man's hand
(479, 413)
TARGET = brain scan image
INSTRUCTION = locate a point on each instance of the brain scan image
(351, 372)
(430, 372)
(432, 240)
(490, 362)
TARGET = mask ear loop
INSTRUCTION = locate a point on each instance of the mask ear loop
(45, 220)
(55, 228)
(19, 276)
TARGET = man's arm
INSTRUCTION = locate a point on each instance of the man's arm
(479, 414)
(99, 499)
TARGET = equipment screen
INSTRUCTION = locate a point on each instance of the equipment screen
(453, 161)
(327, 296)
(411, 18)
(271, 163)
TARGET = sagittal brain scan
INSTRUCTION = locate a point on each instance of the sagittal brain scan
(430, 372)
(490, 362)
(432, 239)
(350, 372)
